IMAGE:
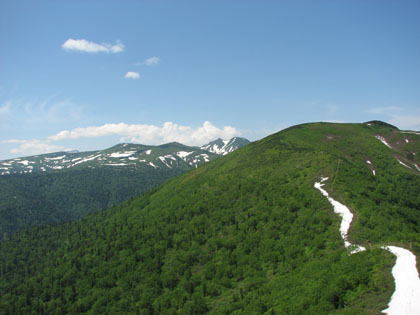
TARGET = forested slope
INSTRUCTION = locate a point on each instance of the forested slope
(38, 199)
(244, 234)
(62, 186)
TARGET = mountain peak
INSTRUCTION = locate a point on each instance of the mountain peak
(223, 147)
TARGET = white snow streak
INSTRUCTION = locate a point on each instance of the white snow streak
(122, 154)
(346, 217)
(183, 154)
(404, 164)
(406, 297)
(382, 139)
(87, 159)
(24, 162)
(164, 161)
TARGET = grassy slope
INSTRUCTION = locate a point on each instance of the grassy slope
(244, 234)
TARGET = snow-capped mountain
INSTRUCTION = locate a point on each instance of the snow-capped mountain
(223, 147)
(170, 155)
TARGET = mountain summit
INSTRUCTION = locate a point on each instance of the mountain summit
(223, 147)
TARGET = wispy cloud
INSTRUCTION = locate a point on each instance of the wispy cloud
(91, 47)
(411, 122)
(149, 61)
(387, 110)
(135, 133)
(399, 116)
(5, 109)
(132, 75)
(151, 134)
(34, 146)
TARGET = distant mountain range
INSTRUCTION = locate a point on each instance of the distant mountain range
(64, 186)
(128, 155)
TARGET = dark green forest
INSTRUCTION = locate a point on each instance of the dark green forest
(37, 199)
(244, 234)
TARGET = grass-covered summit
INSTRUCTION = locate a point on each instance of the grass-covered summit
(244, 234)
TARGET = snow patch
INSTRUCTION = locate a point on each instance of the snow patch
(205, 157)
(148, 152)
(345, 214)
(163, 160)
(170, 156)
(402, 163)
(183, 154)
(122, 154)
(90, 158)
(151, 164)
(406, 297)
(26, 163)
(382, 139)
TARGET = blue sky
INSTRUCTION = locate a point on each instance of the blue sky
(88, 74)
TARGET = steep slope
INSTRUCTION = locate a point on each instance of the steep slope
(62, 186)
(245, 234)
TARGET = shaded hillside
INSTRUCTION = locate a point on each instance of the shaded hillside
(38, 199)
(245, 234)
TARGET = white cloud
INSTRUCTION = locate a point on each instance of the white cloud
(5, 109)
(91, 47)
(136, 133)
(149, 61)
(132, 75)
(388, 110)
(34, 146)
(151, 134)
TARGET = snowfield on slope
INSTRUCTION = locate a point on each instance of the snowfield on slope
(382, 139)
(346, 217)
(406, 297)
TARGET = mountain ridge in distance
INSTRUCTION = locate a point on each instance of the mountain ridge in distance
(63, 186)
(246, 234)
(173, 154)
